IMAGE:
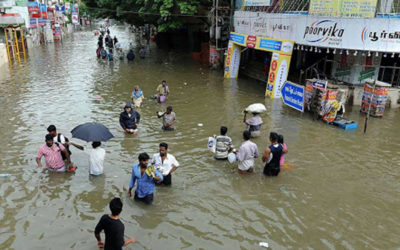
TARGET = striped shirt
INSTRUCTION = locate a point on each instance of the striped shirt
(52, 155)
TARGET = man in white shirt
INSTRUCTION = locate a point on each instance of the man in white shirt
(59, 138)
(96, 159)
(165, 163)
(246, 154)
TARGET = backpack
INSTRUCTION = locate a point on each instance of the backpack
(66, 147)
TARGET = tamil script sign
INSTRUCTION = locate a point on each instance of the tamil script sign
(237, 38)
(343, 8)
(368, 73)
(343, 71)
(377, 34)
(257, 3)
(293, 95)
(358, 8)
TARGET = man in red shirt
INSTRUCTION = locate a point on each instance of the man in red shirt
(52, 155)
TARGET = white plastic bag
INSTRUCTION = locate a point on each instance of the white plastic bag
(232, 158)
(211, 144)
(256, 108)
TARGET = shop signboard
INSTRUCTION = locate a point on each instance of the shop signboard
(22, 3)
(269, 44)
(33, 7)
(67, 8)
(235, 61)
(368, 73)
(319, 84)
(251, 42)
(293, 95)
(359, 8)
(75, 18)
(43, 11)
(239, 39)
(345, 33)
(343, 8)
(232, 60)
(75, 10)
(324, 7)
(35, 22)
(50, 15)
(263, 24)
(343, 71)
(257, 3)
(378, 34)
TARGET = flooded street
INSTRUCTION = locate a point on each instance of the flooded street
(342, 193)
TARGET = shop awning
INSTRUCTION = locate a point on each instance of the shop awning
(11, 19)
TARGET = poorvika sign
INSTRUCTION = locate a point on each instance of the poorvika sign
(323, 31)
(368, 34)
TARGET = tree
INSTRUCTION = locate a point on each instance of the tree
(165, 14)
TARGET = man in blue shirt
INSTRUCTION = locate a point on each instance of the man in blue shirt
(145, 180)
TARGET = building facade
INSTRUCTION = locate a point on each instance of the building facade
(343, 41)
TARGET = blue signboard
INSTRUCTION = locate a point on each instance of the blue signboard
(293, 95)
(270, 44)
(237, 38)
(319, 84)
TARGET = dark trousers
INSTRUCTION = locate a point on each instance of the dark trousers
(167, 128)
(271, 171)
(167, 180)
(148, 199)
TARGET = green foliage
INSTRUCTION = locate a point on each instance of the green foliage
(69, 16)
(166, 14)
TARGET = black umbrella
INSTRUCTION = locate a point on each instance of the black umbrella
(92, 131)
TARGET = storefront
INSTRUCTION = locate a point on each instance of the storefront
(280, 61)
(344, 50)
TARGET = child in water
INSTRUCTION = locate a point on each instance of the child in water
(284, 146)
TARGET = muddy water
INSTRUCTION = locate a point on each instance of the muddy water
(342, 192)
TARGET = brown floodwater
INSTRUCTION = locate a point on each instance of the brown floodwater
(343, 191)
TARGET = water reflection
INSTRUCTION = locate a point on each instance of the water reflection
(338, 179)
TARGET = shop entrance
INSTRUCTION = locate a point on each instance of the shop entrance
(278, 51)
(255, 64)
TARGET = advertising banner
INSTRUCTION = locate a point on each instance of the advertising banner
(67, 7)
(43, 11)
(377, 34)
(22, 3)
(35, 22)
(324, 7)
(232, 60)
(239, 39)
(280, 62)
(277, 74)
(358, 8)
(343, 8)
(257, 3)
(358, 34)
(33, 7)
(75, 18)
